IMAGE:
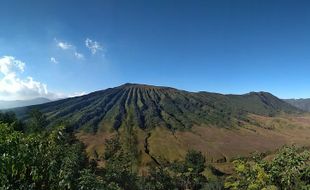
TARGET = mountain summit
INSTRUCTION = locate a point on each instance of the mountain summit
(147, 106)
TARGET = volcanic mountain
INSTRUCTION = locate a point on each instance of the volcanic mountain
(147, 106)
(165, 122)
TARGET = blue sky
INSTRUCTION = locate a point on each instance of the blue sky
(226, 46)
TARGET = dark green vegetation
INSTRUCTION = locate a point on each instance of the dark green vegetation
(38, 159)
(288, 170)
(147, 137)
(149, 106)
(54, 159)
(143, 115)
(303, 104)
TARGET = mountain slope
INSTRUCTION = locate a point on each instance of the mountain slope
(303, 104)
(22, 103)
(150, 106)
(262, 103)
(162, 123)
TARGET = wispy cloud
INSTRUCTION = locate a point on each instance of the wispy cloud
(77, 94)
(64, 45)
(53, 60)
(93, 46)
(78, 55)
(69, 47)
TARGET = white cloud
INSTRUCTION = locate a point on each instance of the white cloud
(67, 46)
(13, 87)
(64, 45)
(78, 55)
(9, 64)
(77, 94)
(93, 46)
(53, 60)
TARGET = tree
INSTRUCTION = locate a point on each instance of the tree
(119, 165)
(157, 179)
(40, 160)
(112, 146)
(249, 176)
(37, 122)
(88, 180)
(289, 170)
(188, 174)
(11, 119)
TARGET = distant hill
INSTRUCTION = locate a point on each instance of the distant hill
(22, 103)
(148, 106)
(303, 104)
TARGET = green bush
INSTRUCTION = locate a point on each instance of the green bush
(38, 161)
(289, 170)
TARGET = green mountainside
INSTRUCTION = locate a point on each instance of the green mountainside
(148, 106)
(303, 104)
(163, 136)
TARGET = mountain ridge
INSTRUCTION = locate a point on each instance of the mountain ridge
(148, 106)
(22, 103)
(301, 103)
(162, 123)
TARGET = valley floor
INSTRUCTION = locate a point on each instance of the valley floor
(219, 145)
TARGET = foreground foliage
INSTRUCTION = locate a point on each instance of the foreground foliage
(39, 161)
(34, 156)
(289, 170)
